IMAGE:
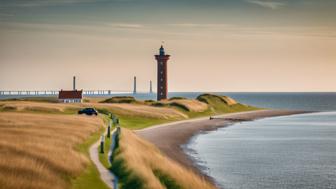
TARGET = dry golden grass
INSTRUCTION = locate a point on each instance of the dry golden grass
(23, 106)
(143, 159)
(37, 150)
(229, 101)
(140, 110)
(191, 104)
(93, 99)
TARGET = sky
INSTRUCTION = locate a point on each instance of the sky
(215, 45)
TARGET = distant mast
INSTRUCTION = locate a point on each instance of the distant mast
(162, 76)
(74, 83)
(134, 86)
(150, 87)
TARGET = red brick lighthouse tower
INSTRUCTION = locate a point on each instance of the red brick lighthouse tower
(162, 80)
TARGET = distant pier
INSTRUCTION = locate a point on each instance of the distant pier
(55, 92)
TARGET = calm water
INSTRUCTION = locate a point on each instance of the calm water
(284, 152)
(297, 101)
(294, 101)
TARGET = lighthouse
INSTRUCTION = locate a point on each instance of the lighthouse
(162, 79)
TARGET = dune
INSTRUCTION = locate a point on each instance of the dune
(38, 150)
(139, 110)
(190, 105)
(31, 106)
(141, 165)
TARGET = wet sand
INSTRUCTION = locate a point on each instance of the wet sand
(169, 138)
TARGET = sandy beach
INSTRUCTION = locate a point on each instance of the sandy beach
(169, 137)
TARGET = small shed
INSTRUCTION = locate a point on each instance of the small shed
(73, 96)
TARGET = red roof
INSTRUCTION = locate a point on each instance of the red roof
(70, 94)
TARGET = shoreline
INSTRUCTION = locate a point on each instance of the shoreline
(171, 138)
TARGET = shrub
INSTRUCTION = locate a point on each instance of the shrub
(120, 99)
(103, 111)
(179, 105)
(177, 98)
(158, 104)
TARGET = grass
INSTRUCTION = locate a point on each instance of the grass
(39, 107)
(141, 122)
(141, 114)
(189, 105)
(54, 153)
(43, 150)
(103, 157)
(166, 180)
(34, 99)
(221, 104)
(120, 99)
(90, 178)
(139, 164)
(140, 110)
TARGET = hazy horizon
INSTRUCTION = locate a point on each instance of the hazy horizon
(217, 45)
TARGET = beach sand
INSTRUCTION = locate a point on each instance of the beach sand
(169, 138)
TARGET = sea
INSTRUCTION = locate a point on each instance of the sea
(309, 101)
(287, 152)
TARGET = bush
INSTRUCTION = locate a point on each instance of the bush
(120, 99)
(204, 98)
(158, 104)
(177, 98)
(103, 111)
(185, 108)
(149, 101)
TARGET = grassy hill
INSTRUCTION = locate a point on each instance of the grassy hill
(132, 113)
(45, 150)
(54, 136)
(139, 164)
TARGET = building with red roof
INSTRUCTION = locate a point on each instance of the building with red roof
(73, 96)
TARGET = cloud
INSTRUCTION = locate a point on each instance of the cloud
(6, 15)
(196, 25)
(42, 3)
(125, 25)
(267, 3)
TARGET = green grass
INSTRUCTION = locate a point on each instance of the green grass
(216, 107)
(120, 99)
(90, 178)
(127, 179)
(130, 180)
(141, 122)
(103, 157)
(165, 180)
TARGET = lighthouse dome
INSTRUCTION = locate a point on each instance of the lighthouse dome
(162, 52)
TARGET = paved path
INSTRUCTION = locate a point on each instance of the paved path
(106, 175)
